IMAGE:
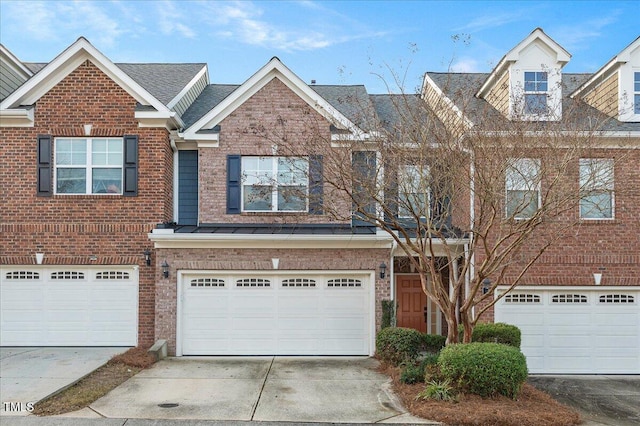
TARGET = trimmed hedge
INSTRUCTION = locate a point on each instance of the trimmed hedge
(498, 332)
(484, 369)
(397, 345)
(433, 342)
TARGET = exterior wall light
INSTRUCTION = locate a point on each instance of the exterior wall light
(165, 269)
(147, 257)
(486, 285)
(383, 270)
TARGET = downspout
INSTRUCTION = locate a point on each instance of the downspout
(174, 148)
(469, 245)
(392, 281)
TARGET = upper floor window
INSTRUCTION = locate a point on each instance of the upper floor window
(536, 88)
(88, 165)
(522, 188)
(275, 184)
(636, 92)
(596, 188)
(413, 191)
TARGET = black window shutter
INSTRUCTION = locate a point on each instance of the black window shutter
(364, 169)
(130, 184)
(45, 184)
(316, 185)
(234, 172)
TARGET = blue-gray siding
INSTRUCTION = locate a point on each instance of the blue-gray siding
(188, 187)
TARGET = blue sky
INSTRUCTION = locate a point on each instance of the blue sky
(333, 42)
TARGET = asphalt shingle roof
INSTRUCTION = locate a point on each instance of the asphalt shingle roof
(163, 81)
(462, 87)
(211, 96)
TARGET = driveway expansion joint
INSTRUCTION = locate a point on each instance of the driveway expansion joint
(264, 382)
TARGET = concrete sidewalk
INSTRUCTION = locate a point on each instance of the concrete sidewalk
(330, 389)
(28, 375)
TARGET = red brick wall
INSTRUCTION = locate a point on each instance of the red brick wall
(70, 229)
(611, 247)
(274, 115)
(259, 259)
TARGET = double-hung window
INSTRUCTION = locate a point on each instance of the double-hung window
(636, 92)
(522, 188)
(275, 184)
(88, 165)
(536, 87)
(413, 191)
(596, 188)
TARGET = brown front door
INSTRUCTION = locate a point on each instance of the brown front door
(411, 302)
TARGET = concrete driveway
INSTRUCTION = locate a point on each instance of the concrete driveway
(318, 389)
(28, 375)
(601, 400)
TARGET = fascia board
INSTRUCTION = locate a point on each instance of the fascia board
(64, 64)
(17, 117)
(189, 85)
(173, 240)
(273, 69)
(562, 55)
(493, 77)
(15, 62)
(166, 118)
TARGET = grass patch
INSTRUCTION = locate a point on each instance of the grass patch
(119, 369)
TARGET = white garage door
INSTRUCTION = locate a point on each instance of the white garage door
(68, 306)
(576, 331)
(269, 314)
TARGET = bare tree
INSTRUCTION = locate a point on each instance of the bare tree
(472, 197)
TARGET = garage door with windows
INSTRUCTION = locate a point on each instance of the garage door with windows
(576, 330)
(268, 313)
(68, 306)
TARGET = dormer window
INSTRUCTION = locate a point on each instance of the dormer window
(636, 92)
(535, 92)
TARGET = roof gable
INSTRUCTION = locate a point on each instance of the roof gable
(56, 70)
(273, 69)
(537, 41)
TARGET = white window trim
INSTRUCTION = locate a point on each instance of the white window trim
(612, 190)
(88, 167)
(526, 92)
(635, 92)
(400, 183)
(275, 186)
(507, 189)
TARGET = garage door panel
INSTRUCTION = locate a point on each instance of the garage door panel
(298, 314)
(69, 306)
(585, 334)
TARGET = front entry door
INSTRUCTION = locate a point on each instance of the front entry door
(412, 302)
(414, 310)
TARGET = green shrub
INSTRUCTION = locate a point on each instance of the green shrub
(434, 342)
(388, 313)
(484, 369)
(412, 373)
(440, 390)
(428, 359)
(494, 333)
(397, 345)
(497, 333)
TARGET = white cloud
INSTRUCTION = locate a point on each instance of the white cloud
(35, 19)
(171, 20)
(491, 21)
(465, 65)
(578, 36)
(244, 22)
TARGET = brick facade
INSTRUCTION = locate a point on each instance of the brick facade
(86, 229)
